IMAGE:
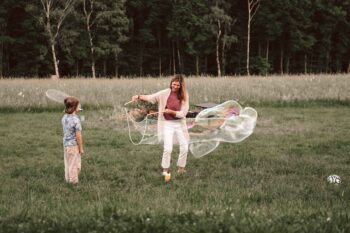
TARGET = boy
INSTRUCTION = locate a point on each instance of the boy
(72, 140)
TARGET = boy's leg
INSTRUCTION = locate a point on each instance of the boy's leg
(66, 165)
(168, 133)
(78, 163)
(73, 164)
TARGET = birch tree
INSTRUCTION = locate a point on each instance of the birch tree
(218, 20)
(89, 10)
(253, 6)
(52, 14)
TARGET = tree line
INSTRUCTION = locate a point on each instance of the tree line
(113, 38)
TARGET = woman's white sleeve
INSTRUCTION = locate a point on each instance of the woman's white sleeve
(184, 109)
(153, 98)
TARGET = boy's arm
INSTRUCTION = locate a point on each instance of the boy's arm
(79, 142)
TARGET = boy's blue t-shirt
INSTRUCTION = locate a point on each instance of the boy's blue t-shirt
(71, 124)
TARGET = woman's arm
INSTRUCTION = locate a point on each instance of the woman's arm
(184, 109)
(153, 98)
(138, 97)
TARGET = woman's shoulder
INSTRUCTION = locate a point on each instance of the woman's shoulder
(167, 90)
(163, 92)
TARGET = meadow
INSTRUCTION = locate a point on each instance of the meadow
(273, 181)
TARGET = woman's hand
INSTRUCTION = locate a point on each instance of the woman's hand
(169, 111)
(135, 97)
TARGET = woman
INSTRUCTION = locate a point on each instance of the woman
(173, 105)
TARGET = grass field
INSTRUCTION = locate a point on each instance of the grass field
(274, 181)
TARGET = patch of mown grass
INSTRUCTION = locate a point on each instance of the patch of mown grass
(114, 220)
(274, 181)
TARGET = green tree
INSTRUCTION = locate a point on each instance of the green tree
(253, 6)
(218, 19)
(188, 25)
(5, 38)
(73, 44)
(112, 28)
(51, 15)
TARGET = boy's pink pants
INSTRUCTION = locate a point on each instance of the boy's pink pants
(72, 164)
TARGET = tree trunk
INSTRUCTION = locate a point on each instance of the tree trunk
(223, 57)
(160, 66)
(281, 61)
(1, 59)
(55, 62)
(170, 65)
(104, 68)
(327, 62)
(92, 53)
(267, 54)
(7, 68)
(48, 8)
(248, 37)
(305, 63)
(116, 66)
(239, 64)
(174, 63)
(141, 60)
(93, 68)
(179, 56)
(53, 50)
(267, 50)
(253, 6)
(77, 67)
(88, 28)
(160, 56)
(287, 65)
(197, 64)
(217, 49)
(206, 65)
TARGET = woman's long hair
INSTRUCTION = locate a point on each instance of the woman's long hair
(182, 92)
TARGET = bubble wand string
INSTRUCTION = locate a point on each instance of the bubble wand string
(145, 128)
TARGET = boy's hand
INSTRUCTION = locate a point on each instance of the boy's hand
(81, 152)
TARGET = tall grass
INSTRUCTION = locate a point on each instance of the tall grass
(16, 93)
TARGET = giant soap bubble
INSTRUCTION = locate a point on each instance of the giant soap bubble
(226, 122)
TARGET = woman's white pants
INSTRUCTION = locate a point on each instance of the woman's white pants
(171, 128)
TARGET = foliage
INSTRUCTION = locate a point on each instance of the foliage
(162, 37)
(260, 66)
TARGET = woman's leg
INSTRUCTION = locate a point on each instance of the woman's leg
(181, 162)
(168, 133)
